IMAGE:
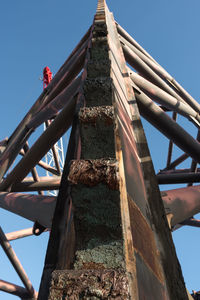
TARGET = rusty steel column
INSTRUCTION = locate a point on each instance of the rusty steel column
(110, 238)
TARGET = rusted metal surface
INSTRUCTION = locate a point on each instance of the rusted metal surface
(31, 186)
(43, 165)
(93, 172)
(60, 249)
(162, 97)
(146, 248)
(49, 137)
(34, 172)
(159, 119)
(136, 157)
(109, 200)
(128, 41)
(148, 73)
(55, 105)
(14, 290)
(16, 264)
(32, 207)
(89, 284)
(71, 68)
(54, 152)
(129, 38)
(182, 203)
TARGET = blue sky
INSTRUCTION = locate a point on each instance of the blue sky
(34, 34)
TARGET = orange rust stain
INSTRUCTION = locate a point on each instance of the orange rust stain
(144, 240)
(93, 266)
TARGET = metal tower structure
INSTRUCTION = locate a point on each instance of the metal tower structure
(110, 224)
(55, 156)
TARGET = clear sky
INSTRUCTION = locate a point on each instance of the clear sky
(34, 34)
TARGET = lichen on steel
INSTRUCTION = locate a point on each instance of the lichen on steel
(97, 132)
(108, 255)
(96, 68)
(98, 91)
(92, 172)
(89, 285)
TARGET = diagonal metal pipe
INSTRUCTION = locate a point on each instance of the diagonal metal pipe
(19, 234)
(32, 207)
(16, 264)
(164, 74)
(49, 137)
(129, 38)
(14, 290)
(171, 144)
(178, 178)
(31, 186)
(20, 135)
(56, 104)
(43, 165)
(182, 203)
(159, 119)
(136, 62)
(162, 97)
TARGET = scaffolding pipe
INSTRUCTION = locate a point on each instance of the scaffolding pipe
(56, 104)
(129, 38)
(43, 165)
(191, 222)
(182, 203)
(159, 119)
(178, 178)
(16, 264)
(33, 171)
(11, 236)
(171, 144)
(162, 97)
(15, 290)
(164, 74)
(49, 137)
(20, 135)
(177, 161)
(32, 207)
(30, 186)
(147, 72)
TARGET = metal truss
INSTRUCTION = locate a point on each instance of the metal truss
(107, 83)
(55, 159)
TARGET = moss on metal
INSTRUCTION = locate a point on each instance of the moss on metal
(97, 129)
(98, 68)
(101, 256)
(96, 215)
(98, 91)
